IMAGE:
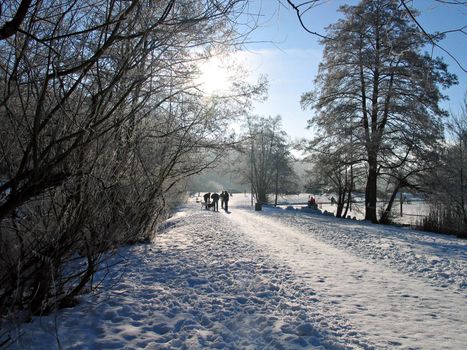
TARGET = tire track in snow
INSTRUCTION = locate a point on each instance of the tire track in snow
(388, 307)
(440, 260)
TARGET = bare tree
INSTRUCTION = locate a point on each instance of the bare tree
(268, 158)
(100, 122)
(374, 77)
(302, 8)
(447, 183)
(336, 165)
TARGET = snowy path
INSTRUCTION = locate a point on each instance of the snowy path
(389, 307)
(270, 280)
(201, 285)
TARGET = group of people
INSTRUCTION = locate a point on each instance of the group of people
(214, 204)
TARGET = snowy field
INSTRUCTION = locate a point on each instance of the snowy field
(412, 211)
(275, 279)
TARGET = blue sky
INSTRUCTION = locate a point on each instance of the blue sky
(289, 56)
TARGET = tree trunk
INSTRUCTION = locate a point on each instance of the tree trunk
(347, 202)
(340, 203)
(277, 185)
(349, 192)
(370, 191)
(386, 213)
(40, 288)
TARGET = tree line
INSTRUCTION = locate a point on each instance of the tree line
(101, 124)
(377, 121)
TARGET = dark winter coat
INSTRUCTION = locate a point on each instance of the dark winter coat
(215, 197)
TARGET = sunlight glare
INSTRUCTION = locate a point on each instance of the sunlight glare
(214, 77)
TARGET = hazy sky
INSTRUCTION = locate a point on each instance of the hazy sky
(281, 49)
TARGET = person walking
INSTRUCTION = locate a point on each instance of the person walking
(207, 197)
(226, 201)
(222, 199)
(215, 201)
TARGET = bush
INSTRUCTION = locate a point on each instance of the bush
(443, 218)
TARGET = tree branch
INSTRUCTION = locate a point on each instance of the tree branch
(299, 15)
(11, 27)
(430, 37)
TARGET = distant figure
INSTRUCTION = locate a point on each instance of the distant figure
(226, 201)
(222, 199)
(312, 203)
(333, 200)
(207, 197)
(215, 201)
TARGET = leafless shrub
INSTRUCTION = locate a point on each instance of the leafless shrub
(100, 122)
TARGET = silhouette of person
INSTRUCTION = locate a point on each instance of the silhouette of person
(215, 201)
(226, 201)
(207, 197)
(222, 199)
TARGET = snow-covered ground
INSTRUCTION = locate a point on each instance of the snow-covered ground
(413, 210)
(275, 279)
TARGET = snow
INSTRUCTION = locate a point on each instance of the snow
(413, 211)
(275, 279)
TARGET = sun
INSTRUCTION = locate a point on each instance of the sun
(214, 77)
